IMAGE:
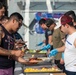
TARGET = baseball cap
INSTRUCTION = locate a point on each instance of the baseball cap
(65, 19)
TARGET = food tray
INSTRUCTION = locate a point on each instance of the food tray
(34, 51)
(42, 61)
(42, 69)
(47, 66)
(58, 71)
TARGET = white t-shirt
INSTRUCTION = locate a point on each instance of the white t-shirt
(70, 53)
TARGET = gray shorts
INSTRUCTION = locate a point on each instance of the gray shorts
(8, 71)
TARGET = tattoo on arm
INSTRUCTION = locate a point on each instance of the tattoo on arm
(5, 52)
(2, 50)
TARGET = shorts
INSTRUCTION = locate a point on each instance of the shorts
(8, 71)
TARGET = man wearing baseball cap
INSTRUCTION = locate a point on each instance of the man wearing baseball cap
(70, 45)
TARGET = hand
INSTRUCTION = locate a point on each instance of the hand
(22, 60)
(53, 52)
(17, 53)
(61, 61)
(20, 41)
(39, 44)
(46, 47)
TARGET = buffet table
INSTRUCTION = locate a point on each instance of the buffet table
(45, 66)
(42, 68)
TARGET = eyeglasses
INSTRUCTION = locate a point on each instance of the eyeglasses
(19, 21)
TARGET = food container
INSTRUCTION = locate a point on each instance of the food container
(44, 69)
(41, 60)
(45, 64)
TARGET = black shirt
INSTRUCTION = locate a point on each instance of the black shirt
(47, 34)
(7, 42)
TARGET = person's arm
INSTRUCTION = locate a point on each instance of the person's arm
(2, 50)
(61, 49)
(50, 43)
(50, 40)
(6, 52)
(23, 61)
(1, 34)
(55, 51)
(20, 60)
